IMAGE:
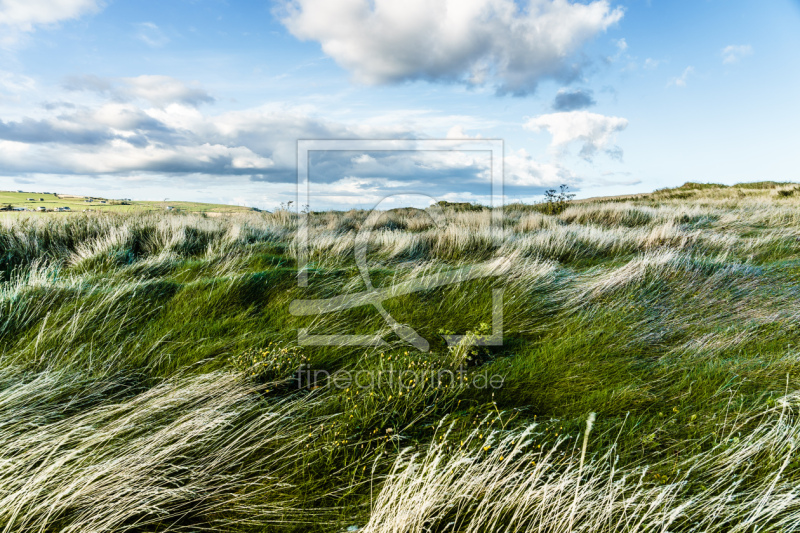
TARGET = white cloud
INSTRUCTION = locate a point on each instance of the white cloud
(23, 15)
(172, 139)
(524, 171)
(681, 80)
(147, 128)
(19, 16)
(475, 42)
(163, 90)
(159, 91)
(119, 156)
(593, 131)
(734, 53)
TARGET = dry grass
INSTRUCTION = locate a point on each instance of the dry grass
(503, 481)
(82, 455)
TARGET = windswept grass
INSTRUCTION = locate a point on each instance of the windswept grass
(149, 369)
(202, 451)
(504, 481)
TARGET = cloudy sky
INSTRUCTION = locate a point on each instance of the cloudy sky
(206, 99)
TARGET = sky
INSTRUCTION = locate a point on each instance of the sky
(205, 100)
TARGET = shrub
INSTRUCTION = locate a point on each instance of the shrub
(555, 202)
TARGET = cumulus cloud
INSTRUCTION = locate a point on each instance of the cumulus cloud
(567, 100)
(157, 90)
(734, 53)
(592, 131)
(509, 45)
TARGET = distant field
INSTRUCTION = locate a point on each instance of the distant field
(77, 204)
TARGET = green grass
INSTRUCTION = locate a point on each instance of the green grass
(148, 371)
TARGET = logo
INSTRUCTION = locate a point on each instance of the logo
(376, 296)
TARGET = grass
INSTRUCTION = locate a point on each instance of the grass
(149, 370)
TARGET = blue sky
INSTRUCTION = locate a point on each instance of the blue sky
(205, 99)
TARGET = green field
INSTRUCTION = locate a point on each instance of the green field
(78, 204)
(650, 370)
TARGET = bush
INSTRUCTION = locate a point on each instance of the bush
(555, 202)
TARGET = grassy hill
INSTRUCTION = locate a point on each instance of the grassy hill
(647, 381)
(50, 201)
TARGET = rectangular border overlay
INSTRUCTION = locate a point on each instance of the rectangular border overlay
(305, 146)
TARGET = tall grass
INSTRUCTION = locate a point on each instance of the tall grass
(125, 404)
(190, 453)
(504, 481)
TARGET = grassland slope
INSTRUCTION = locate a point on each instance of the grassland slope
(649, 367)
